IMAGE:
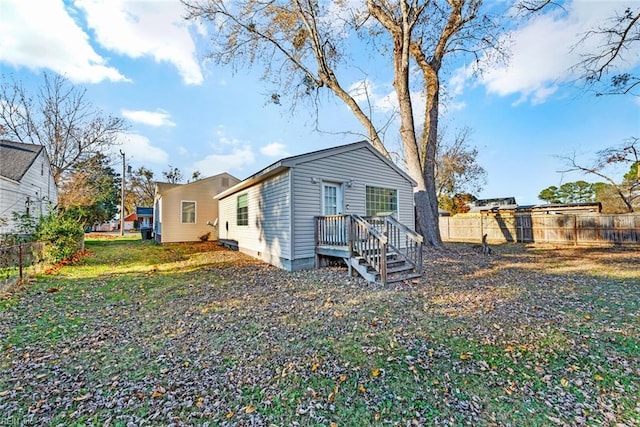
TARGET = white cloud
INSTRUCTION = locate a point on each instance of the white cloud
(236, 160)
(366, 92)
(275, 149)
(151, 118)
(337, 16)
(361, 90)
(222, 138)
(230, 155)
(138, 149)
(544, 50)
(42, 35)
(145, 28)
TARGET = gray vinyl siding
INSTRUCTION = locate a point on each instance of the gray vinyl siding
(268, 234)
(362, 168)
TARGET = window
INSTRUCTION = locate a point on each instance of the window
(242, 210)
(188, 212)
(381, 201)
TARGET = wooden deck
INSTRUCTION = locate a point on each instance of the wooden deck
(378, 248)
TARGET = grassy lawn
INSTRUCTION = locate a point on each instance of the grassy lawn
(196, 335)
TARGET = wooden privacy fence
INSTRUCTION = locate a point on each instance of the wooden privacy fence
(585, 229)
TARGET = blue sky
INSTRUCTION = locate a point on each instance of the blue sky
(139, 60)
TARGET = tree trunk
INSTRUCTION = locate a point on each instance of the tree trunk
(431, 224)
(424, 193)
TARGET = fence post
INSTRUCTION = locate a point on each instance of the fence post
(575, 230)
(20, 259)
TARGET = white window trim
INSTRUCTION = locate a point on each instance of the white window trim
(397, 213)
(195, 213)
(247, 207)
(339, 196)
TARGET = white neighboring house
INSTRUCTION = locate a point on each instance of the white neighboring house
(26, 183)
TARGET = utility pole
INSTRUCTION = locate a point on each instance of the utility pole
(122, 197)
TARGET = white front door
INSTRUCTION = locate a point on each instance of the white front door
(331, 198)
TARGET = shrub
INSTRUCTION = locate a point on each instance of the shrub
(25, 226)
(63, 233)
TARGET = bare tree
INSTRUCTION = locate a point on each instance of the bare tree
(529, 7)
(627, 154)
(618, 36)
(304, 46)
(141, 189)
(60, 118)
(173, 175)
(457, 170)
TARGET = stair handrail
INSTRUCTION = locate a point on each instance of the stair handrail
(410, 233)
(369, 227)
(411, 254)
(366, 250)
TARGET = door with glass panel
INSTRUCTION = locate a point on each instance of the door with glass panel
(331, 199)
(332, 205)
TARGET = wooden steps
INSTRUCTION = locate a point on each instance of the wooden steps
(379, 248)
(398, 269)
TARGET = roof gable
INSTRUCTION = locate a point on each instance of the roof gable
(315, 155)
(290, 162)
(16, 158)
(165, 187)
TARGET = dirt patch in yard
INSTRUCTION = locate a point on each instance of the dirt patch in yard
(205, 336)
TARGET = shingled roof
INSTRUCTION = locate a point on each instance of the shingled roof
(16, 158)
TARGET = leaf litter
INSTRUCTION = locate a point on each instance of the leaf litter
(527, 336)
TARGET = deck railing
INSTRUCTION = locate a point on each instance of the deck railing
(370, 244)
(371, 238)
(402, 239)
(332, 230)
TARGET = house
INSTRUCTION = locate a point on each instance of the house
(130, 221)
(304, 210)
(27, 185)
(503, 203)
(562, 208)
(144, 217)
(187, 212)
(145, 221)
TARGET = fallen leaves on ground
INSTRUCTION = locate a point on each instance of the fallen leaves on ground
(522, 337)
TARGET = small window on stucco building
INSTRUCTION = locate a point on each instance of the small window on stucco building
(188, 212)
